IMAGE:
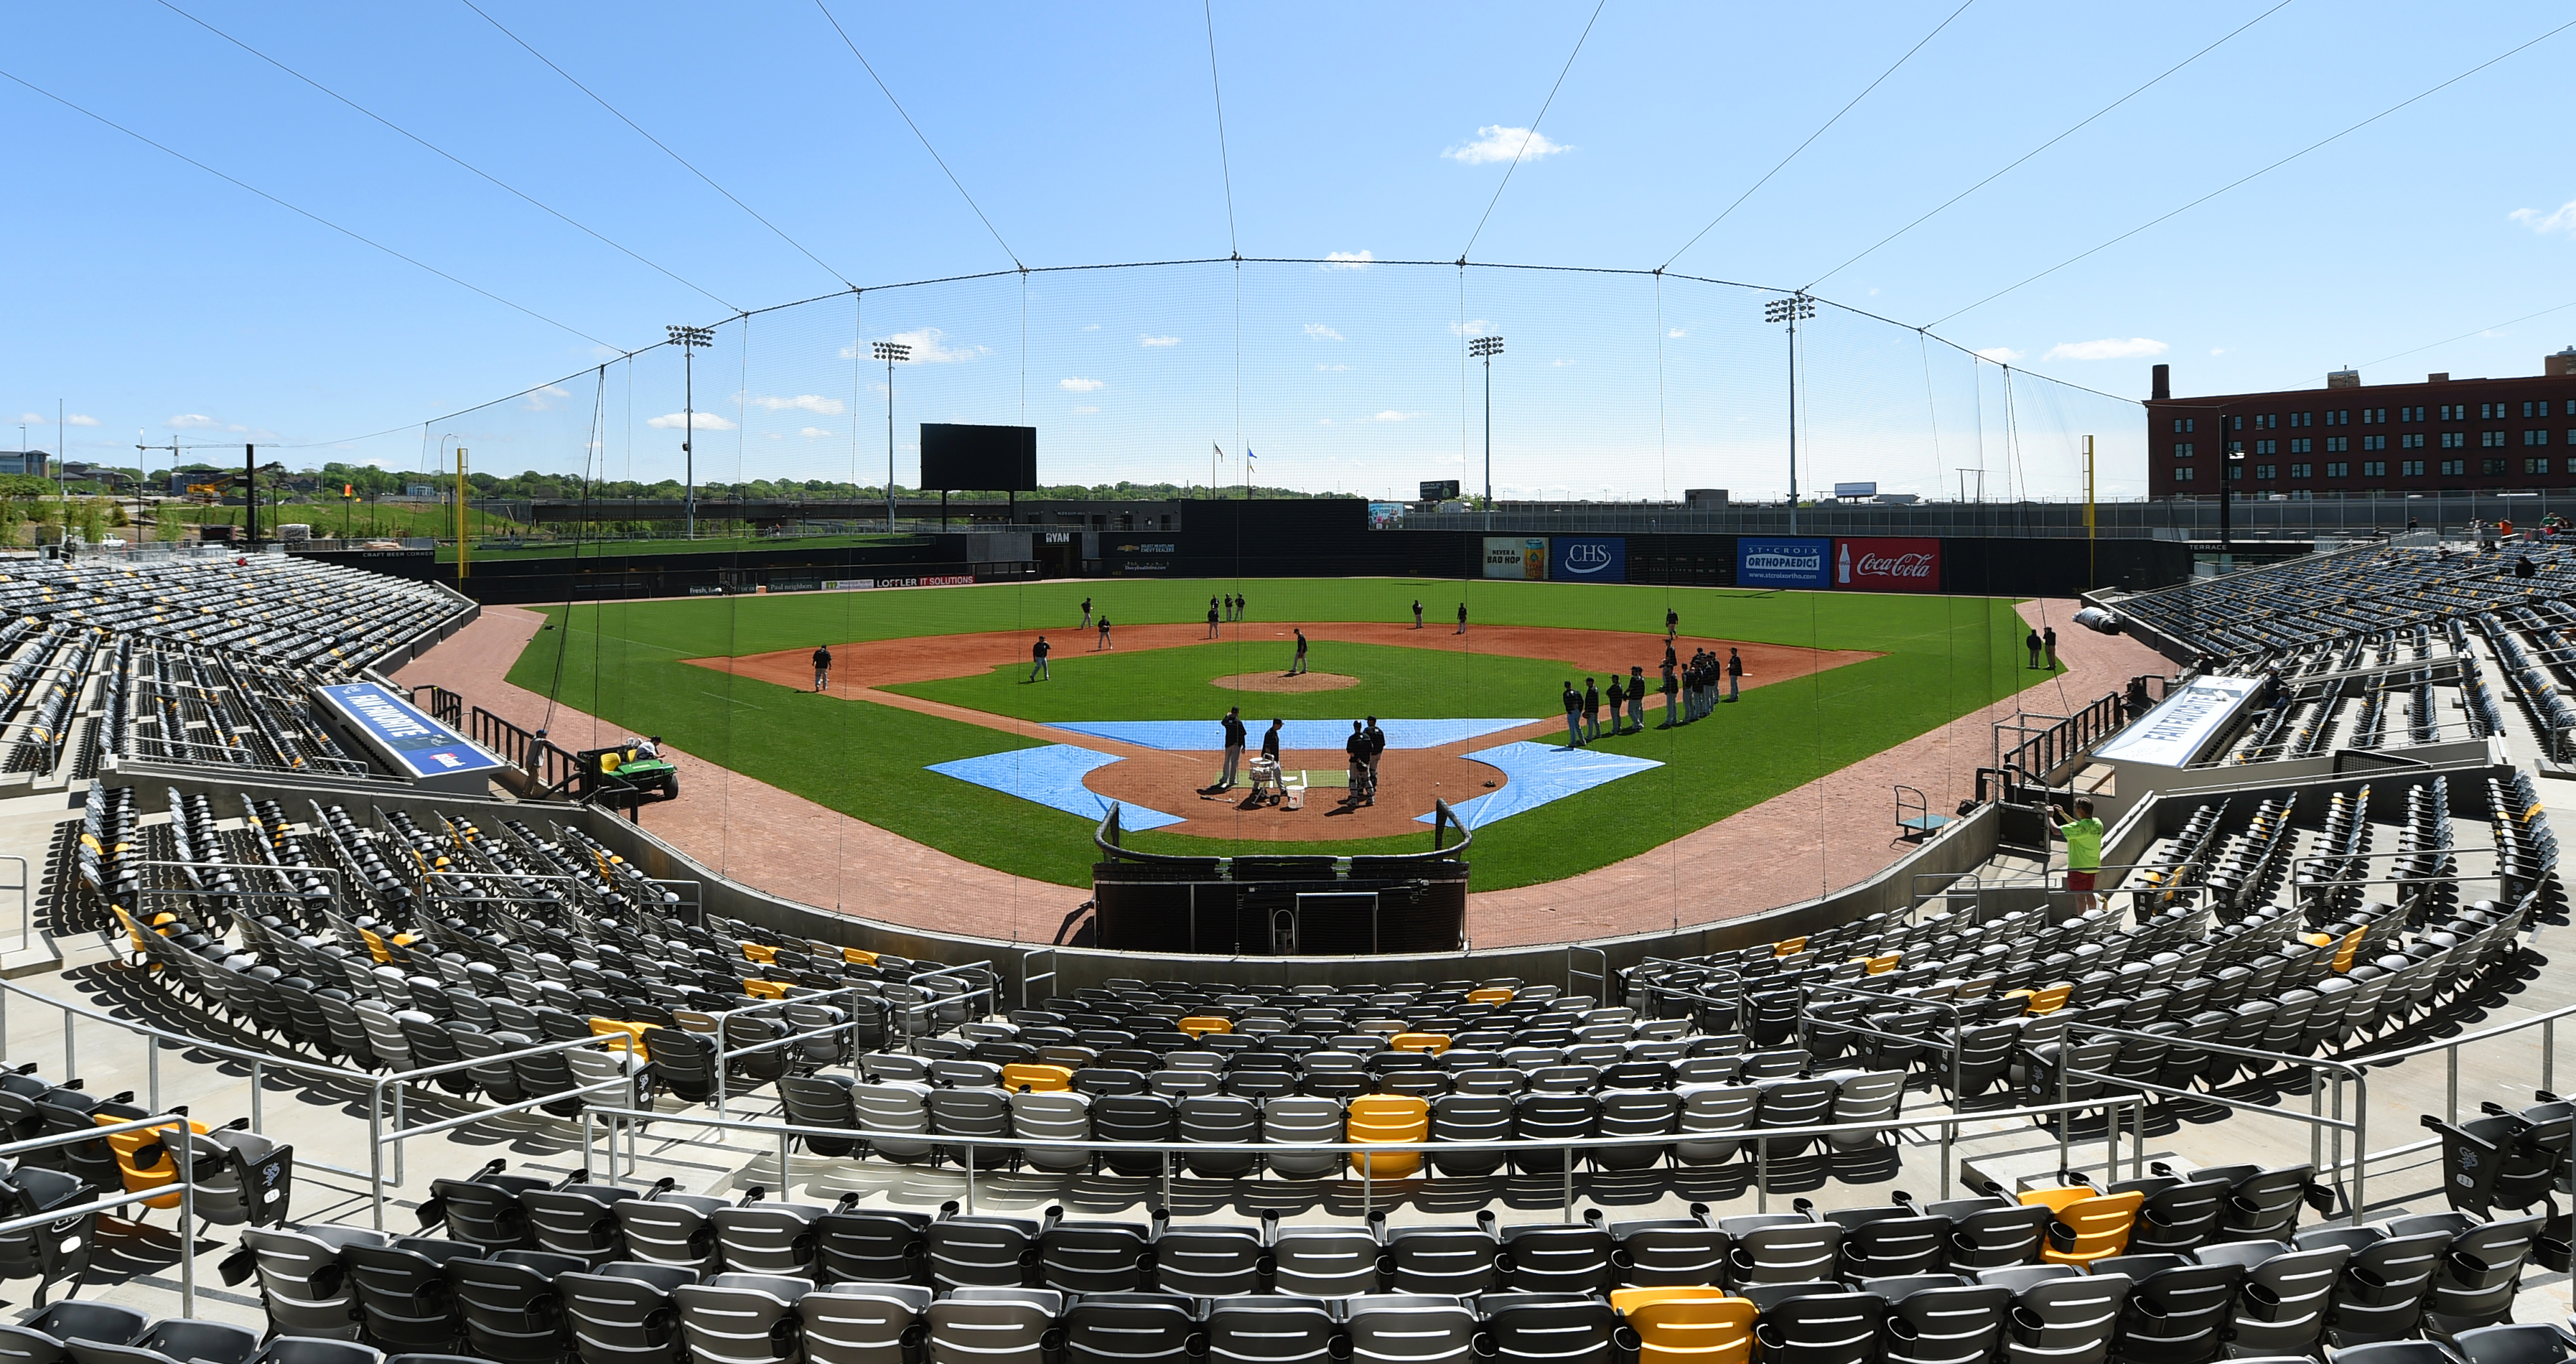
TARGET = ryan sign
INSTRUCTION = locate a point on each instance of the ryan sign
(1888, 564)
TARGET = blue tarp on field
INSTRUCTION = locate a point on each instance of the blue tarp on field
(1052, 776)
(1540, 773)
(1328, 734)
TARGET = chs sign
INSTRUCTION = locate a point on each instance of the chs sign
(1590, 559)
(1885, 564)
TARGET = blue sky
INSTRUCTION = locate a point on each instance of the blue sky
(145, 292)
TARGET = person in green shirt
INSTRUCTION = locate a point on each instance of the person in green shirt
(2083, 835)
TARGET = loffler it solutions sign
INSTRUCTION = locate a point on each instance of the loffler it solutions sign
(1888, 564)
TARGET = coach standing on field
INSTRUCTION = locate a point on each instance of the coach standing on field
(822, 667)
(1234, 737)
(1038, 661)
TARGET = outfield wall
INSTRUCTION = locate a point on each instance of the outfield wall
(1971, 566)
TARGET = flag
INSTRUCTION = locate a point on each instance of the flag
(1220, 450)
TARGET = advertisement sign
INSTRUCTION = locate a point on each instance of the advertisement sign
(2184, 723)
(1855, 490)
(1519, 557)
(1776, 562)
(1888, 564)
(1439, 490)
(405, 738)
(1590, 559)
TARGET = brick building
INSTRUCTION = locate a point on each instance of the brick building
(2354, 440)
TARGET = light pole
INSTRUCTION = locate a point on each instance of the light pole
(689, 339)
(891, 351)
(1486, 348)
(1791, 310)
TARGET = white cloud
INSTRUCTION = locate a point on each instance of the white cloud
(80, 419)
(1677, 333)
(193, 421)
(1081, 385)
(1084, 411)
(1394, 416)
(1321, 332)
(1348, 260)
(704, 421)
(2108, 348)
(1091, 326)
(1560, 364)
(1479, 327)
(802, 402)
(1150, 341)
(929, 347)
(812, 432)
(2562, 220)
(1496, 142)
(35, 419)
(544, 399)
(2002, 355)
(1330, 369)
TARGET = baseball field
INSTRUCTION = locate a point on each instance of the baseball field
(939, 678)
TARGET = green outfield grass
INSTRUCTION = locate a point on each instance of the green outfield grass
(1180, 684)
(1942, 657)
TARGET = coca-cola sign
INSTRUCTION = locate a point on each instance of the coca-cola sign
(1888, 564)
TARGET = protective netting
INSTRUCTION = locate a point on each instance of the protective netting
(1335, 376)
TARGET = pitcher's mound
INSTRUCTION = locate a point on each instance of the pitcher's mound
(1275, 682)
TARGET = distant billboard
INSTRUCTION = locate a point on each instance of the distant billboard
(1589, 559)
(1439, 489)
(1888, 564)
(1855, 490)
(1762, 561)
(1519, 557)
(978, 458)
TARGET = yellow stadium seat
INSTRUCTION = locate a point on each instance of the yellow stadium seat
(2047, 999)
(1202, 1025)
(1788, 947)
(625, 1036)
(1624, 1300)
(143, 1161)
(764, 989)
(1694, 1331)
(1432, 1042)
(858, 956)
(2090, 1228)
(1388, 1117)
(1879, 966)
(765, 955)
(1030, 1075)
(1494, 994)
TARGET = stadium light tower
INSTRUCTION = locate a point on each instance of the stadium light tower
(891, 351)
(1793, 309)
(1486, 348)
(689, 339)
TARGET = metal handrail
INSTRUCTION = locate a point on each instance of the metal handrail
(185, 1186)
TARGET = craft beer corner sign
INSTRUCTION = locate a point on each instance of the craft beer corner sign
(1888, 564)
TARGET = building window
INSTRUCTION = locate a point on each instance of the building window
(2411, 441)
(2452, 412)
(2269, 421)
(2338, 444)
(2338, 470)
(2490, 467)
(2490, 411)
(2411, 468)
(2410, 414)
(2234, 423)
(2536, 436)
(2490, 439)
(2374, 442)
(2181, 425)
(2184, 474)
(2267, 447)
(2182, 449)
(2264, 471)
(2455, 440)
(2300, 445)
(2300, 470)
(2235, 471)
(2535, 466)
(2303, 419)
(2454, 468)
(2374, 468)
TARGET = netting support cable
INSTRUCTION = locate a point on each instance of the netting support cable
(1224, 161)
(906, 115)
(1532, 135)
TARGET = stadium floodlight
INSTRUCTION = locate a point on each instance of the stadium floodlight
(891, 351)
(1486, 348)
(1794, 309)
(689, 340)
